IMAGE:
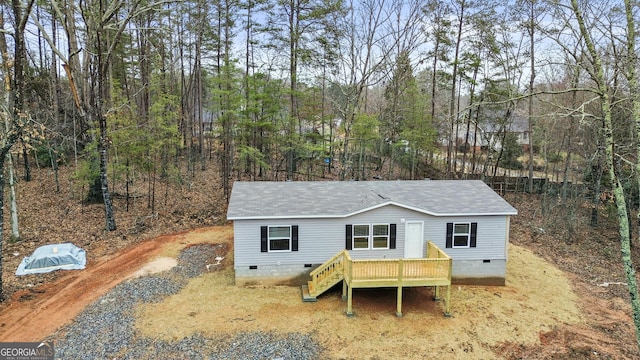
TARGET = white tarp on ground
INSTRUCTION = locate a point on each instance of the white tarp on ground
(52, 257)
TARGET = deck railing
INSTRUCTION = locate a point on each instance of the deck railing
(433, 270)
(436, 266)
(434, 252)
(329, 269)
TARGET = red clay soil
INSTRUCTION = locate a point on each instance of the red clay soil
(32, 315)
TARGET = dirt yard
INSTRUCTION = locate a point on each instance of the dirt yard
(33, 314)
(537, 299)
(542, 312)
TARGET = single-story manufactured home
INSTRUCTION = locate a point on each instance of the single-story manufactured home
(283, 230)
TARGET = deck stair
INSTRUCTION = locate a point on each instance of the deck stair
(433, 270)
(324, 277)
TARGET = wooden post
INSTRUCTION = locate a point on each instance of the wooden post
(399, 305)
(347, 276)
(447, 302)
(344, 289)
(349, 301)
(399, 301)
(447, 305)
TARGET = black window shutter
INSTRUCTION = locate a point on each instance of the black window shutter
(294, 238)
(263, 239)
(348, 244)
(449, 235)
(392, 236)
(474, 230)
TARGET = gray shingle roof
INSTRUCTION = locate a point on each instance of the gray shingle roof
(269, 200)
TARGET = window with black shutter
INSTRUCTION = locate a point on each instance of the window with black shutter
(392, 236)
(472, 238)
(370, 236)
(461, 235)
(294, 238)
(279, 238)
(264, 239)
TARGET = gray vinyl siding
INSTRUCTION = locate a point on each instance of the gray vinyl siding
(322, 238)
(491, 237)
(389, 214)
(318, 241)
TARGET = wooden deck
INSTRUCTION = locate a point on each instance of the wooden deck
(434, 270)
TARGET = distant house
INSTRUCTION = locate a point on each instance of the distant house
(495, 125)
(283, 230)
(490, 129)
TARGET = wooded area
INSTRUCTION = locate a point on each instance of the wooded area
(138, 93)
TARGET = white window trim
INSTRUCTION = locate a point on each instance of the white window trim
(370, 237)
(353, 237)
(453, 236)
(269, 238)
(388, 236)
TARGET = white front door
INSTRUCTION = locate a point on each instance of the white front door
(413, 244)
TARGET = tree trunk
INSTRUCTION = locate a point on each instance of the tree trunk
(596, 178)
(25, 158)
(574, 104)
(54, 166)
(452, 106)
(618, 190)
(99, 98)
(532, 77)
(104, 185)
(2, 157)
(13, 100)
(466, 135)
(634, 86)
(294, 117)
(632, 63)
(474, 157)
(15, 228)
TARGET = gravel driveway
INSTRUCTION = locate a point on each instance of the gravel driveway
(105, 329)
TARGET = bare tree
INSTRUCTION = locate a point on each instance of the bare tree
(14, 114)
(596, 68)
(376, 32)
(438, 29)
(634, 89)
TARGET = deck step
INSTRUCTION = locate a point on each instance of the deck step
(306, 297)
(324, 277)
(319, 288)
(324, 285)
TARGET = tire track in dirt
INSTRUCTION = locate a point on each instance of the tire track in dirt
(34, 314)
